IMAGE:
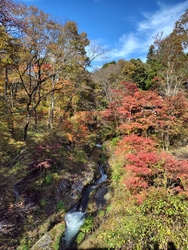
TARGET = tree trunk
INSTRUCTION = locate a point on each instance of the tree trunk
(26, 130)
(67, 108)
(27, 123)
(51, 106)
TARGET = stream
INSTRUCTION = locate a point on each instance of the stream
(75, 217)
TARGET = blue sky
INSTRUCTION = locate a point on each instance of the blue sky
(123, 28)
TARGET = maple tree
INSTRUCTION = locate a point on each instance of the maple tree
(154, 169)
(146, 167)
(132, 111)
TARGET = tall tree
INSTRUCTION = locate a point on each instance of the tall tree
(181, 29)
(50, 54)
(169, 63)
(11, 27)
(34, 71)
(72, 60)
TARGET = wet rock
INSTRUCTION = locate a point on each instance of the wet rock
(99, 197)
(95, 154)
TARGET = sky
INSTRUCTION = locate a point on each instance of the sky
(124, 29)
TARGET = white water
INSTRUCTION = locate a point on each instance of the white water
(103, 176)
(101, 179)
(75, 220)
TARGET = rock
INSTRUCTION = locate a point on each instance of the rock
(95, 154)
(89, 177)
(99, 197)
(51, 239)
(108, 196)
(44, 243)
(78, 186)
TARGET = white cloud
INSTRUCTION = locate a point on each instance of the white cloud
(127, 44)
(163, 20)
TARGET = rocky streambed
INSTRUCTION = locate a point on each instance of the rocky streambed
(85, 197)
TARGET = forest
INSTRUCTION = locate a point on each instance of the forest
(53, 111)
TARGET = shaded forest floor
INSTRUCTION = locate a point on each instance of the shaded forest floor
(38, 185)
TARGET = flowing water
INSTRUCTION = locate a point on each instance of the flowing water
(102, 178)
(76, 215)
(73, 222)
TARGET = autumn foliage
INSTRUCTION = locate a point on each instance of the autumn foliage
(54, 111)
(147, 168)
(133, 111)
(148, 125)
